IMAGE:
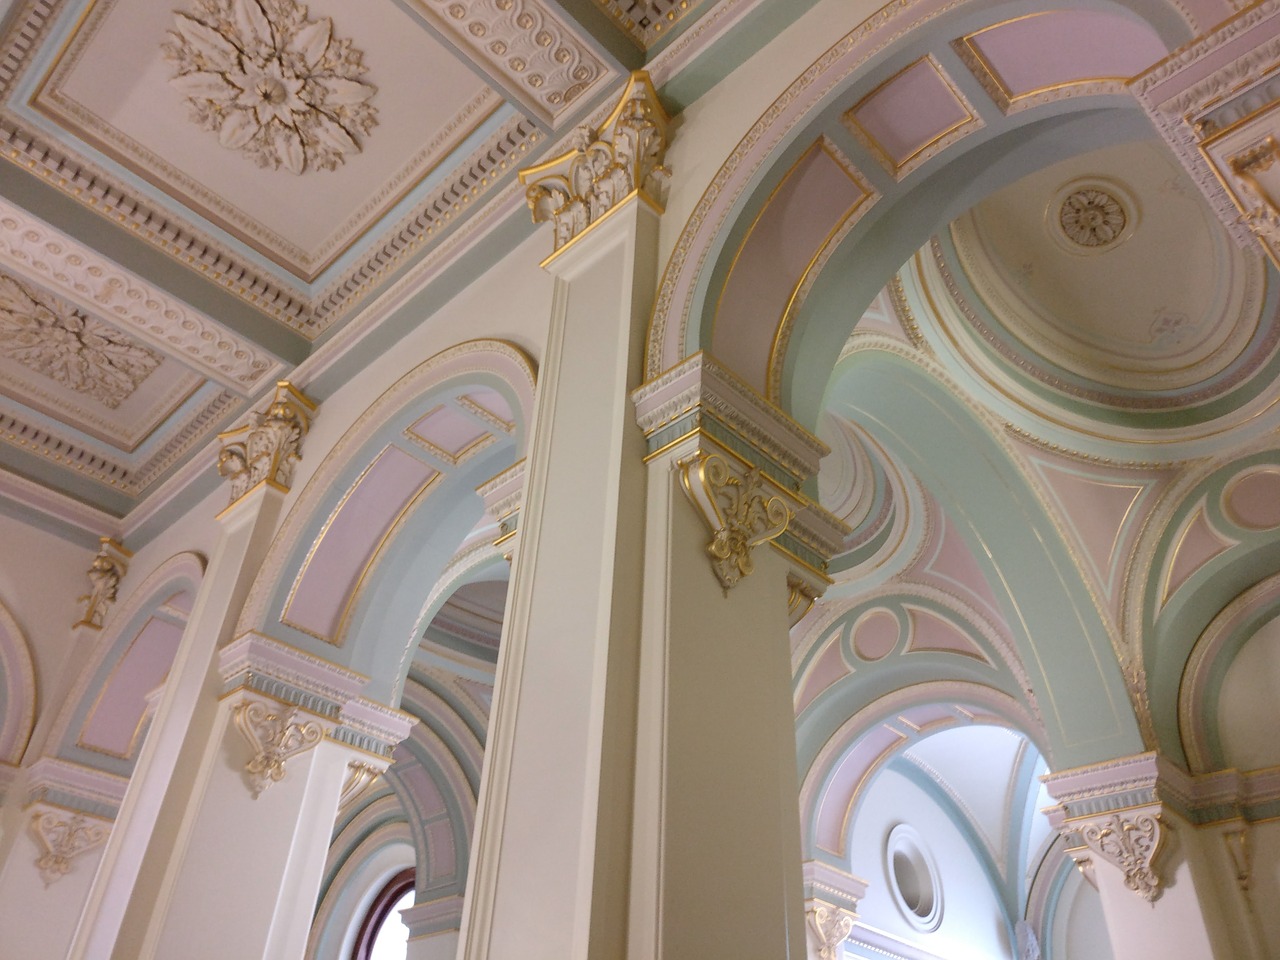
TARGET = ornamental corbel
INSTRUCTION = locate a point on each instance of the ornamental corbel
(1130, 842)
(605, 167)
(274, 734)
(736, 511)
(61, 840)
(105, 573)
(266, 450)
(828, 927)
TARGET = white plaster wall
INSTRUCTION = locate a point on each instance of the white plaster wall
(1247, 710)
(972, 926)
(1079, 929)
(37, 921)
(41, 576)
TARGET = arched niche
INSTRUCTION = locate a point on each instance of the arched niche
(108, 709)
(384, 513)
(17, 690)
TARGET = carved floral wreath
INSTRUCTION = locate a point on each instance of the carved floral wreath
(271, 82)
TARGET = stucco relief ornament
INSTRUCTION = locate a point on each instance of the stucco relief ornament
(1130, 843)
(1092, 218)
(738, 514)
(828, 928)
(268, 448)
(271, 82)
(274, 736)
(72, 349)
(61, 841)
(105, 573)
(603, 168)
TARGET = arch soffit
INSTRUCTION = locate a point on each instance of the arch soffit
(834, 783)
(493, 364)
(177, 577)
(1060, 634)
(684, 309)
(1195, 559)
(19, 692)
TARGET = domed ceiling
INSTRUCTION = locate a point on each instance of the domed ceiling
(1107, 278)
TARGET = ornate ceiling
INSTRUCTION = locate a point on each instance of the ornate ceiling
(199, 194)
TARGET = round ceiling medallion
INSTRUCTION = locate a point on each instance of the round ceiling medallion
(1090, 215)
(1092, 218)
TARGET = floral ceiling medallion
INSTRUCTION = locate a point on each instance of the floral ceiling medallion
(73, 349)
(1092, 214)
(271, 82)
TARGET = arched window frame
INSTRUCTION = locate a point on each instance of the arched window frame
(379, 911)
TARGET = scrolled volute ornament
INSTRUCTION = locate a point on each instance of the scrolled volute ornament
(603, 168)
(738, 514)
(828, 928)
(61, 840)
(274, 735)
(268, 448)
(1130, 843)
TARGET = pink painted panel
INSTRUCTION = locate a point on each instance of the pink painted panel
(875, 635)
(492, 401)
(952, 565)
(931, 633)
(827, 668)
(839, 792)
(330, 577)
(442, 856)
(1067, 46)
(113, 720)
(1200, 543)
(1253, 500)
(908, 112)
(448, 429)
(814, 198)
(1097, 510)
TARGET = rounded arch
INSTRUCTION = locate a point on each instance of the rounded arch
(1194, 561)
(105, 714)
(892, 218)
(914, 411)
(17, 690)
(386, 509)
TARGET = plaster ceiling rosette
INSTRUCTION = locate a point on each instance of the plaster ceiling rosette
(277, 122)
(1108, 278)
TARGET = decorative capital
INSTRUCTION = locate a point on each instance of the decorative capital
(502, 497)
(604, 168)
(105, 573)
(361, 776)
(736, 510)
(61, 840)
(274, 734)
(266, 450)
(1112, 811)
(1130, 843)
(828, 927)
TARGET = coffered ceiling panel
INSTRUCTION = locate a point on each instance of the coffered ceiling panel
(292, 128)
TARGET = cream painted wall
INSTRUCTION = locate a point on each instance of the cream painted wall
(41, 576)
(972, 926)
(1246, 703)
(1079, 931)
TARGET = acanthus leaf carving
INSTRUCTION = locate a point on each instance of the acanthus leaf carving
(105, 573)
(274, 735)
(828, 928)
(736, 511)
(71, 348)
(268, 448)
(575, 190)
(1131, 843)
(271, 82)
(61, 840)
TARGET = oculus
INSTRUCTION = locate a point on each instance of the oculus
(75, 350)
(271, 83)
